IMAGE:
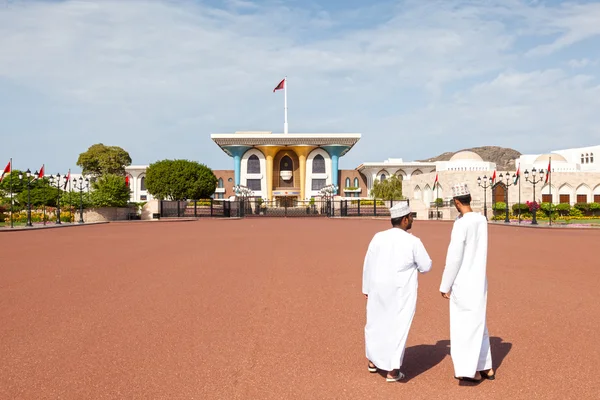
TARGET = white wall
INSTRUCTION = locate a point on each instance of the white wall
(262, 175)
(309, 175)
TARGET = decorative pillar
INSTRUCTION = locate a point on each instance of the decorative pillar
(237, 152)
(302, 153)
(335, 152)
(269, 152)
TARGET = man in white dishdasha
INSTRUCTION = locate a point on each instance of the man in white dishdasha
(464, 283)
(393, 260)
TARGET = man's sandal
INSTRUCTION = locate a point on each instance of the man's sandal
(467, 379)
(484, 375)
(372, 368)
(395, 378)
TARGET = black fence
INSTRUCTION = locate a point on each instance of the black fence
(255, 207)
(196, 209)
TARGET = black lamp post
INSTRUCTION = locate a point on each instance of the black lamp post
(58, 184)
(78, 183)
(487, 183)
(534, 182)
(28, 176)
(508, 183)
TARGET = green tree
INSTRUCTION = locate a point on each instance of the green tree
(180, 180)
(100, 160)
(110, 191)
(389, 189)
(41, 193)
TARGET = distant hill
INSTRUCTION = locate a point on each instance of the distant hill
(502, 156)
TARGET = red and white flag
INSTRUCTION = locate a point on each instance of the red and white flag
(548, 171)
(436, 179)
(494, 178)
(7, 170)
(68, 179)
(280, 86)
(41, 173)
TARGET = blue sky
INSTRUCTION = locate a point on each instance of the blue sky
(415, 78)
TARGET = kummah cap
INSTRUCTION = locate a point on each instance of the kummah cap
(460, 189)
(400, 210)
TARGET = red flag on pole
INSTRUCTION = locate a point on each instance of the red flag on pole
(127, 180)
(548, 172)
(41, 175)
(280, 86)
(7, 170)
(494, 177)
(68, 179)
(436, 179)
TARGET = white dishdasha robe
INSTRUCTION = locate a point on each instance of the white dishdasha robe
(393, 260)
(465, 276)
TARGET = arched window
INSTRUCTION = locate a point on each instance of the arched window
(582, 159)
(347, 182)
(143, 183)
(382, 178)
(318, 166)
(356, 182)
(286, 164)
(220, 183)
(591, 157)
(253, 165)
(587, 158)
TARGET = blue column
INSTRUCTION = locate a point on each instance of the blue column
(237, 152)
(335, 152)
(334, 169)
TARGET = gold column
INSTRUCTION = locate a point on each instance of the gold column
(269, 152)
(302, 153)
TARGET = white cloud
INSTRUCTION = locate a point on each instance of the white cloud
(417, 79)
(581, 63)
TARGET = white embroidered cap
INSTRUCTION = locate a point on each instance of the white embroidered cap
(460, 189)
(400, 210)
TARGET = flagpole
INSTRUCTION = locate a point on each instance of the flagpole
(285, 120)
(11, 194)
(550, 189)
(437, 205)
(519, 178)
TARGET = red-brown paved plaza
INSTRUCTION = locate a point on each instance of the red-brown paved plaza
(272, 309)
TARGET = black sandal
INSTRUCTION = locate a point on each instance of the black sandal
(484, 375)
(467, 379)
(372, 369)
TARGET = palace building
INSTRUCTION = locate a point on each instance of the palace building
(285, 168)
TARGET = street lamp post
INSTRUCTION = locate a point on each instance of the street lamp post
(508, 183)
(58, 183)
(534, 182)
(78, 183)
(487, 183)
(28, 176)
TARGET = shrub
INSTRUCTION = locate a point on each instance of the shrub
(532, 205)
(520, 206)
(499, 206)
(575, 212)
(582, 206)
(367, 202)
(562, 208)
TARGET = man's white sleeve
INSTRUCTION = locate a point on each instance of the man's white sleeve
(421, 256)
(453, 258)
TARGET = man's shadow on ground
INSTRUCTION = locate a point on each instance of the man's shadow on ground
(421, 358)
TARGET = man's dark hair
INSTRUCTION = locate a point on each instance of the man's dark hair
(465, 200)
(398, 221)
